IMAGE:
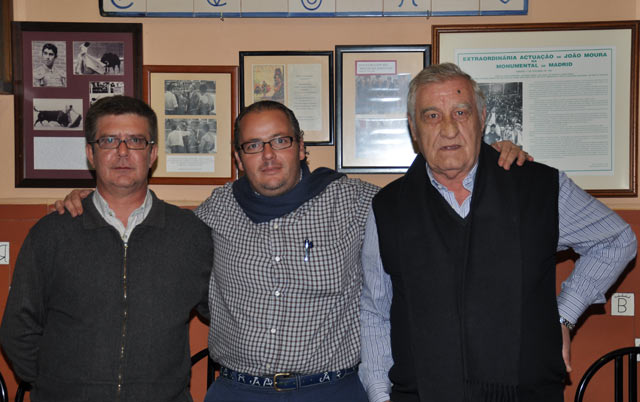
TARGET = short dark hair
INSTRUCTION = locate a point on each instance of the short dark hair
(51, 47)
(119, 105)
(263, 106)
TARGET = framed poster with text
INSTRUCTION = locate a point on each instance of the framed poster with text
(372, 132)
(566, 92)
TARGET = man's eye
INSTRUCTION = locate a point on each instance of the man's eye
(108, 140)
(135, 140)
(279, 140)
(252, 145)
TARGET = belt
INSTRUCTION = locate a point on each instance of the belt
(286, 381)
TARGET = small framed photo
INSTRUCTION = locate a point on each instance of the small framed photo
(372, 131)
(59, 70)
(196, 108)
(303, 81)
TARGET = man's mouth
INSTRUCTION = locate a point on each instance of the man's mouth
(450, 147)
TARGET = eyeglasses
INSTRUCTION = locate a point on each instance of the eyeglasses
(278, 143)
(113, 142)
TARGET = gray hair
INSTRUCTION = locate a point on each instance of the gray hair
(438, 73)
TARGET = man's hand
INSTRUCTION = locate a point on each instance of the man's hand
(72, 202)
(566, 347)
(510, 152)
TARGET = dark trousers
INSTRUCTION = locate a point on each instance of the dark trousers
(347, 389)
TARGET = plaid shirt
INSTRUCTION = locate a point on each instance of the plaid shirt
(272, 311)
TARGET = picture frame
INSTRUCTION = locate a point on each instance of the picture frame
(196, 108)
(301, 80)
(578, 90)
(372, 131)
(58, 70)
(6, 15)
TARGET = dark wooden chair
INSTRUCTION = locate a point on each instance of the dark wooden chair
(211, 365)
(4, 394)
(618, 385)
(24, 387)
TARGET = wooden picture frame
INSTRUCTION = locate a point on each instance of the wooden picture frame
(578, 89)
(58, 70)
(196, 108)
(372, 132)
(301, 80)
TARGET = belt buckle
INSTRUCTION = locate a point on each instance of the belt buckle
(275, 381)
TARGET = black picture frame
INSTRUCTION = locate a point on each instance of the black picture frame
(308, 87)
(372, 134)
(49, 111)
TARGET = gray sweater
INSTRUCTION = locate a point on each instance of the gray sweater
(90, 318)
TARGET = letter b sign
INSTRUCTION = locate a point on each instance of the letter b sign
(622, 304)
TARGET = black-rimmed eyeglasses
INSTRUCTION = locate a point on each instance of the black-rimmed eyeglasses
(278, 143)
(113, 142)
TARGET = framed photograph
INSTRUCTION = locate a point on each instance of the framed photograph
(372, 131)
(303, 81)
(196, 108)
(59, 69)
(6, 15)
(566, 92)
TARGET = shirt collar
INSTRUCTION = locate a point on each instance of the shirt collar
(136, 217)
(467, 182)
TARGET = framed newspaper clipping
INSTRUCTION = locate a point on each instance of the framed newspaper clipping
(196, 108)
(303, 81)
(566, 92)
(372, 132)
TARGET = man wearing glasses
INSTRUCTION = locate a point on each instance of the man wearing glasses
(284, 292)
(100, 304)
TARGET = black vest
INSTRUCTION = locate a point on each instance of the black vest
(474, 314)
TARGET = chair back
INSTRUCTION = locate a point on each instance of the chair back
(211, 365)
(618, 388)
(23, 388)
(4, 394)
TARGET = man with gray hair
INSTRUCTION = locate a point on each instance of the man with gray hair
(459, 263)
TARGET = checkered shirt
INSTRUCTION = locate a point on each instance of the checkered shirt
(272, 311)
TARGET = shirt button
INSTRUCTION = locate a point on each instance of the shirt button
(275, 226)
(277, 259)
(268, 366)
(277, 293)
(273, 330)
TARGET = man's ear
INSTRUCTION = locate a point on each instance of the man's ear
(154, 155)
(412, 129)
(89, 151)
(236, 154)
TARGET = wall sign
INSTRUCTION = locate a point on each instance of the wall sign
(309, 8)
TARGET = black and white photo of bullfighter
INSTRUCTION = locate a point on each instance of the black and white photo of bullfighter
(57, 114)
(98, 58)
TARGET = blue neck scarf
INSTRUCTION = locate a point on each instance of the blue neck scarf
(260, 208)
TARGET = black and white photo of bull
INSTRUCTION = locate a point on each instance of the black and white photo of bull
(110, 61)
(61, 117)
